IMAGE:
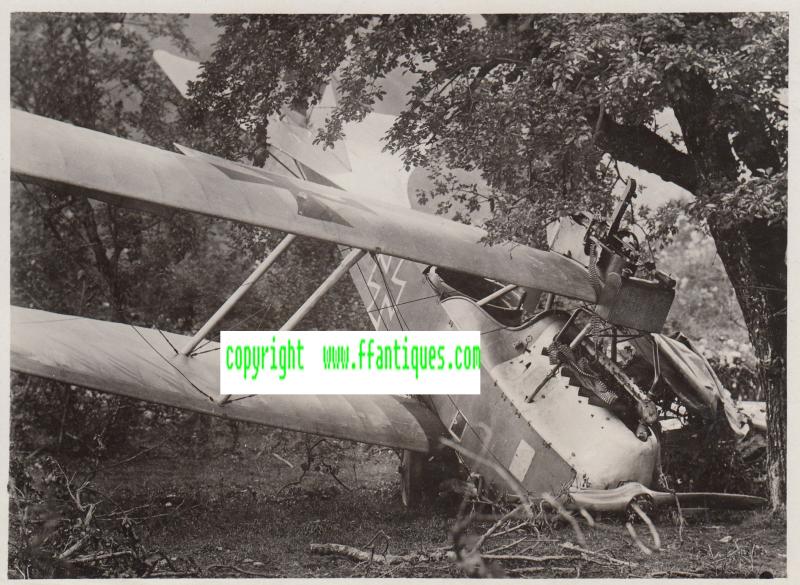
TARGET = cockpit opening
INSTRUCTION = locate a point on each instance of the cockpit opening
(507, 309)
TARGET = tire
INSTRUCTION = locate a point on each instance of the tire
(421, 475)
(413, 482)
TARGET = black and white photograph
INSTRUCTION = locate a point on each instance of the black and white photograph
(598, 198)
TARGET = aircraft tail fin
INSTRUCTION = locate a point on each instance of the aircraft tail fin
(179, 70)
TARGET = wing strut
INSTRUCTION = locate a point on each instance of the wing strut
(499, 293)
(240, 292)
(334, 277)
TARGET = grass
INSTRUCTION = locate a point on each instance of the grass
(216, 511)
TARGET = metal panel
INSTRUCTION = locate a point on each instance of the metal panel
(634, 303)
(591, 439)
(507, 427)
(522, 460)
(567, 433)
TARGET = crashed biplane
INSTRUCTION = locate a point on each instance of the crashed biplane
(573, 401)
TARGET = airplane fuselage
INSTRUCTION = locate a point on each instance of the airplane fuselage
(551, 442)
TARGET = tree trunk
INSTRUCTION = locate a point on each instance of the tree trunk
(754, 257)
(105, 266)
(753, 252)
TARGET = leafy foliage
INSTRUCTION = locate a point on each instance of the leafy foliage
(544, 106)
(761, 197)
(531, 101)
(104, 79)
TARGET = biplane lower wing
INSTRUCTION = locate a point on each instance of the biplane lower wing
(121, 171)
(142, 363)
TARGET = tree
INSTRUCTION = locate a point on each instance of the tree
(73, 255)
(544, 106)
(95, 71)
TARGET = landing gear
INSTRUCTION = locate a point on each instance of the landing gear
(412, 478)
(421, 474)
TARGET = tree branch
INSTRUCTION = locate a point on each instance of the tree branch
(752, 143)
(646, 150)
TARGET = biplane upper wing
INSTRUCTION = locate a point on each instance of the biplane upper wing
(125, 172)
(142, 363)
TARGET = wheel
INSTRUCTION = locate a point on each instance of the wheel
(421, 475)
(412, 478)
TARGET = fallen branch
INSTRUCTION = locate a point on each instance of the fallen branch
(123, 512)
(237, 569)
(576, 569)
(103, 556)
(510, 530)
(609, 558)
(530, 559)
(495, 526)
(286, 461)
(75, 547)
(355, 554)
(506, 546)
(362, 556)
(371, 546)
(673, 573)
(131, 458)
(525, 570)
(332, 473)
(567, 516)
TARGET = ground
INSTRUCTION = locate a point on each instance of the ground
(212, 508)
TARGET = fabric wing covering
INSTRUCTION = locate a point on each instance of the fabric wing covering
(128, 173)
(141, 363)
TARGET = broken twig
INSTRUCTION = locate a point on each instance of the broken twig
(604, 556)
(361, 556)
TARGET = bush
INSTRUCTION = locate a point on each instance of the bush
(49, 416)
(61, 527)
(738, 377)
